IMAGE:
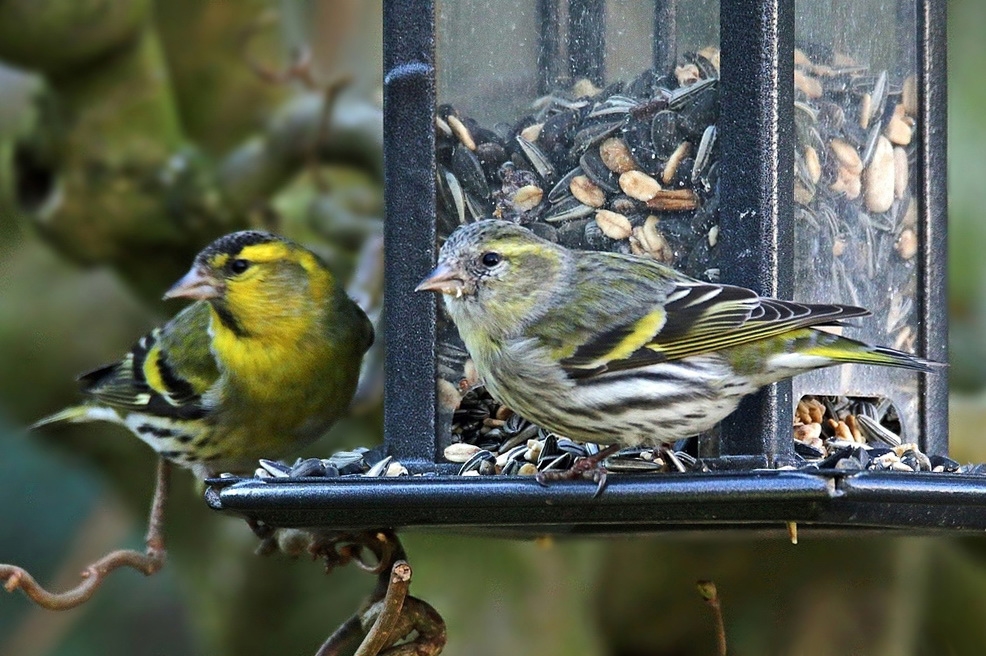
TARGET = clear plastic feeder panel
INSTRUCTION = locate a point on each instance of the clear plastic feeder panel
(856, 193)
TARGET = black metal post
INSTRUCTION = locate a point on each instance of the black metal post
(756, 128)
(586, 39)
(409, 250)
(933, 331)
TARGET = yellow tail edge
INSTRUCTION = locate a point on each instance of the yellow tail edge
(74, 414)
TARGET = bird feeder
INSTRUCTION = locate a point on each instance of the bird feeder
(796, 148)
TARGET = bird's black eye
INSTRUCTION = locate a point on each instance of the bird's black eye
(239, 266)
(491, 259)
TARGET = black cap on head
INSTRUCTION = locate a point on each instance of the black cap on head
(235, 242)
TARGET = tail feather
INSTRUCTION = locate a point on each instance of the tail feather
(846, 350)
(894, 358)
(77, 414)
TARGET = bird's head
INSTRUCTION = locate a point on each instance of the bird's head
(256, 281)
(496, 273)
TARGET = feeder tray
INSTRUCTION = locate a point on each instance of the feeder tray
(758, 501)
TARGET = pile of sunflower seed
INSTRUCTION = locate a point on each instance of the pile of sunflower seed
(846, 433)
(856, 215)
(632, 168)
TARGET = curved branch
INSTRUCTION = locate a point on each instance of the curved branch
(380, 634)
(148, 563)
(428, 624)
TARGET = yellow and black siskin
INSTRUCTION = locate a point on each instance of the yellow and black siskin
(261, 365)
(611, 348)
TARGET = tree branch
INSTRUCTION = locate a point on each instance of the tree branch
(148, 563)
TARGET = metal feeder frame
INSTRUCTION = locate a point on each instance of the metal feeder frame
(757, 141)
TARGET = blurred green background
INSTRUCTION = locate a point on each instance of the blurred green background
(68, 496)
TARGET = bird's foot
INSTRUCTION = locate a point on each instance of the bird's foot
(589, 467)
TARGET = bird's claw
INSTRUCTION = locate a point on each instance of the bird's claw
(589, 468)
(599, 475)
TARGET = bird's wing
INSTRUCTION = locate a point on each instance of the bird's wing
(695, 318)
(165, 373)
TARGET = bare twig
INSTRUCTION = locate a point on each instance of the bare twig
(40, 631)
(155, 523)
(381, 633)
(93, 576)
(260, 167)
(711, 596)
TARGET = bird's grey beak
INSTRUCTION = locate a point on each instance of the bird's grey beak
(445, 279)
(197, 284)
